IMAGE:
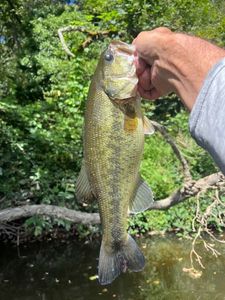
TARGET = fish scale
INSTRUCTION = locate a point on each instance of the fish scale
(113, 148)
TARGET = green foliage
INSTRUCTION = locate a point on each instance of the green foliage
(201, 164)
(43, 92)
(163, 172)
(160, 167)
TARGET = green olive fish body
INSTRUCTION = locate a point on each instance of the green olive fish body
(113, 147)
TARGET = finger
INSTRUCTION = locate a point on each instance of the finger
(141, 65)
(145, 79)
(162, 30)
(150, 94)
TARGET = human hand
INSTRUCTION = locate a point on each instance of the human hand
(173, 62)
(152, 82)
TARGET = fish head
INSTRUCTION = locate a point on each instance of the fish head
(119, 79)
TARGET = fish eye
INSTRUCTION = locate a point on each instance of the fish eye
(109, 56)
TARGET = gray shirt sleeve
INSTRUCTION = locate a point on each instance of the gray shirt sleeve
(207, 118)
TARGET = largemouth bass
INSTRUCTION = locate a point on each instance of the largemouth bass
(113, 146)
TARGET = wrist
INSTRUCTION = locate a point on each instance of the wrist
(194, 62)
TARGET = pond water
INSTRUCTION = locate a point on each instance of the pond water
(67, 271)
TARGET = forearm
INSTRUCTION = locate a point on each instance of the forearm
(195, 70)
(207, 119)
(195, 57)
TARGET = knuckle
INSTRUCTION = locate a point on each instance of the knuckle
(162, 30)
(142, 35)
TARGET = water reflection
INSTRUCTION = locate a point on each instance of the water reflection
(56, 271)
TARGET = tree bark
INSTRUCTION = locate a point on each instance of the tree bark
(11, 214)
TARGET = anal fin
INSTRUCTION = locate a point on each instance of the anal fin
(143, 198)
(83, 188)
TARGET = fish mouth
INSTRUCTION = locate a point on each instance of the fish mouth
(123, 47)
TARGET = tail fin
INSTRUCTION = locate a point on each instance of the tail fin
(112, 264)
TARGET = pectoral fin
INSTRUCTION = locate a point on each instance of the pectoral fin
(83, 188)
(148, 127)
(143, 198)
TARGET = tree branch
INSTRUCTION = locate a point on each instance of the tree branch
(11, 214)
(190, 189)
(169, 140)
(26, 211)
(91, 35)
(62, 40)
